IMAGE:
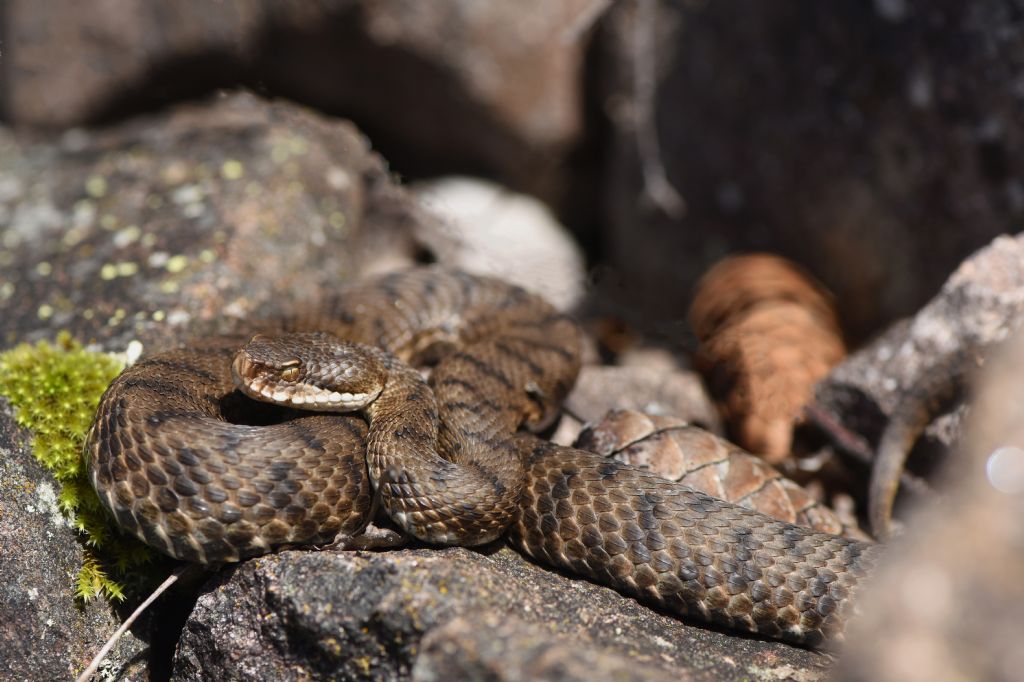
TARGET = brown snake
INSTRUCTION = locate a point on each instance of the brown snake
(197, 470)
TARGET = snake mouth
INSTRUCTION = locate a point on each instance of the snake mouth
(265, 383)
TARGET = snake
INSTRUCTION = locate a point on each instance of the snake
(423, 392)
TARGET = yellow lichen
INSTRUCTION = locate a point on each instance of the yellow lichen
(54, 389)
(232, 169)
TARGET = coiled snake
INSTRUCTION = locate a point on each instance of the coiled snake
(193, 468)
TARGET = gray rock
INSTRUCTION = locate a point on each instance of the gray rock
(44, 633)
(493, 647)
(647, 388)
(878, 148)
(358, 615)
(487, 229)
(189, 222)
(980, 305)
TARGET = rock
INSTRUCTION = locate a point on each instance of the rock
(947, 605)
(494, 87)
(45, 634)
(652, 389)
(171, 226)
(980, 305)
(489, 230)
(364, 615)
(493, 647)
(875, 143)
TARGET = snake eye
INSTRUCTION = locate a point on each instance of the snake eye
(290, 370)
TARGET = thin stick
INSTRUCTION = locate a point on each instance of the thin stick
(656, 186)
(95, 664)
(855, 446)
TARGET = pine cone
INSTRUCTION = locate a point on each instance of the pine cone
(690, 455)
(768, 333)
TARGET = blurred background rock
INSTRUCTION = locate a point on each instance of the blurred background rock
(875, 143)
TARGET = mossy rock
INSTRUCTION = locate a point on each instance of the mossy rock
(54, 388)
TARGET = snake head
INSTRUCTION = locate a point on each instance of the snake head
(309, 370)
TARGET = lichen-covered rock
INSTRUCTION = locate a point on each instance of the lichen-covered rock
(359, 615)
(192, 221)
(44, 633)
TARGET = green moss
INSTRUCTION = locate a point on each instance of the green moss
(54, 389)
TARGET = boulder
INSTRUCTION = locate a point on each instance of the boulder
(392, 615)
(190, 222)
(979, 307)
(495, 87)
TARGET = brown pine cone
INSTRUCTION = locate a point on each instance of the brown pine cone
(697, 458)
(768, 333)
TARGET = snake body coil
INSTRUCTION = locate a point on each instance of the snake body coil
(204, 474)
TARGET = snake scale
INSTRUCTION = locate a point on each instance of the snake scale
(192, 467)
